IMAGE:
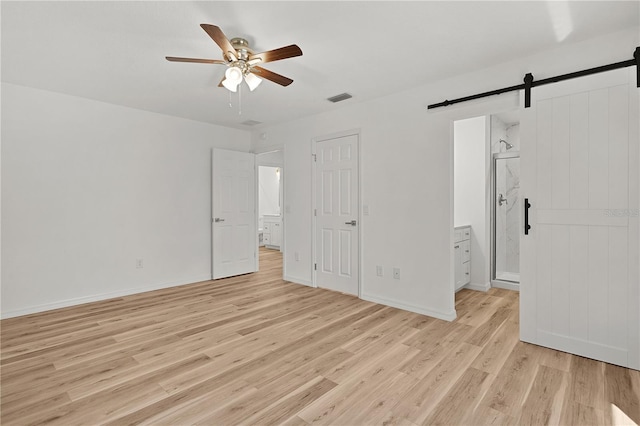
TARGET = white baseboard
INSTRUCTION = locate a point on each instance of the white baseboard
(298, 280)
(447, 316)
(506, 285)
(98, 297)
(478, 287)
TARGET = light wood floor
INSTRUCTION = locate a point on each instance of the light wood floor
(257, 350)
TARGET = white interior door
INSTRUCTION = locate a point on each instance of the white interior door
(580, 261)
(337, 240)
(234, 232)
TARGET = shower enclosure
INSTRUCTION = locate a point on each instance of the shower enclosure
(506, 219)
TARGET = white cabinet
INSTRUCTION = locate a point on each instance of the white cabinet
(462, 258)
(272, 231)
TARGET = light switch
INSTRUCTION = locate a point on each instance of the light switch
(379, 270)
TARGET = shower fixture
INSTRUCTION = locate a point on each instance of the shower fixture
(508, 145)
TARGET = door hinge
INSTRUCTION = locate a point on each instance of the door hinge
(315, 266)
(315, 212)
(314, 157)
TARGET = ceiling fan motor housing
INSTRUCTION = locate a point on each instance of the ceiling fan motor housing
(242, 48)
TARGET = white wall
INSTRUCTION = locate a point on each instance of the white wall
(89, 187)
(472, 177)
(399, 151)
(273, 158)
(407, 178)
(268, 191)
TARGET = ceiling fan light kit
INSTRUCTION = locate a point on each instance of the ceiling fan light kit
(242, 62)
(252, 81)
(233, 77)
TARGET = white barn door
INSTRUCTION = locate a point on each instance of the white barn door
(337, 240)
(234, 236)
(580, 260)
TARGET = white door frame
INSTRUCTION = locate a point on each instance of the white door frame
(506, 102)
(314, 141)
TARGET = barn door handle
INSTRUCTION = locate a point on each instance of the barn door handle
(526, 216)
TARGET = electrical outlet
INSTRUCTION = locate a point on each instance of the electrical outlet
(365, 210)
(139, 264)
(379, 270)
(296, 256)
(396, 273)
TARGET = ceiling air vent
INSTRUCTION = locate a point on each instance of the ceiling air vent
(251, 122)
(340, 97)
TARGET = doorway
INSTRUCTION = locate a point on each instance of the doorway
(270, 193)
(269, 207)
(486, 210)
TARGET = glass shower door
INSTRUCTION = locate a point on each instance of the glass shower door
(506, 217)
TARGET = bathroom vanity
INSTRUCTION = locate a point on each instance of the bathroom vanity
(272, 231)
(462, 251)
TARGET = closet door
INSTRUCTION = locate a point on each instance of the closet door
(337, 237)
(579, 264)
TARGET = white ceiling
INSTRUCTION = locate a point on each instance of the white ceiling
(114, 51)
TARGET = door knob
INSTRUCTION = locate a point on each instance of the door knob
(217, 219)
(352, 223)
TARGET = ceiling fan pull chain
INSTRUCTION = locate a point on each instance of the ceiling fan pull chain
(240, 99)
(230, 104)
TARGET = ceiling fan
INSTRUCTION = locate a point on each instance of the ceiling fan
(242, 62)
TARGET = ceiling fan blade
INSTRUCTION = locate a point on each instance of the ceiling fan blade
(199, 61)
(278, 54)
(221, 40)
(270, 75)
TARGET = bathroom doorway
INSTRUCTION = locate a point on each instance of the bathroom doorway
(506, 204)
(270, 193)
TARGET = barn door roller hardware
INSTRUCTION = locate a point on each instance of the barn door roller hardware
(530, 83)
